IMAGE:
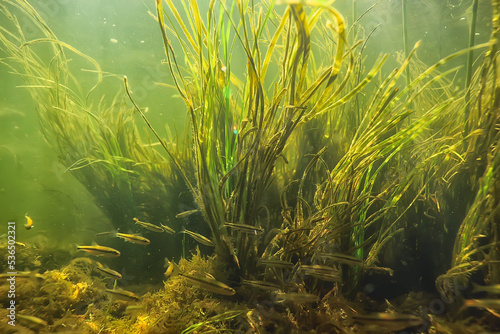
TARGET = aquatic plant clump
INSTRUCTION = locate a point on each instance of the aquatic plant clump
(239, 137)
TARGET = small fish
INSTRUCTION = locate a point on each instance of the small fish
(100, 250)
(489, 302)
(149, 226)
(103, 234)
(492, 305)
(133, 309)
(490, 289)
(167, 229)
(20, 243)
(211, 285)
(107, 271)
(29, 222)
(136, 239)
(342, 258)
(262, 285)
(186, 214)
(124, 295)
(200, 238)
(32, 319)
(275, 263)
(245, 228)
(296, 297)
(324, 273)
(208, 284)
(22, 275)
(393, 322)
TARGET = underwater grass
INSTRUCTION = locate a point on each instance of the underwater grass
(356, 198)
(349, 202)
(471, 251)
(231, 186)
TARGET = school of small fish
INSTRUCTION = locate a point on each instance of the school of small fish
(323, 272)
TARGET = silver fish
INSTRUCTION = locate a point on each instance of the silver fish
(124, 295)
(245, 228)
(149, 226)
(324, 273)
(296, 297)
(32, 319)
(110, 272)
(342, 258)
(167, 229)
(198, 237)
(275, 263)
(100, 250)
(262, 285)
(393, 322)
(186, 214)
(208, 284)
(134, 238)
(490, 289)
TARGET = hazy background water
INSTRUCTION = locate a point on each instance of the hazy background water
(125, 39)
